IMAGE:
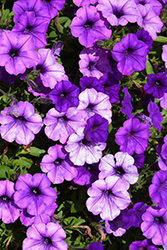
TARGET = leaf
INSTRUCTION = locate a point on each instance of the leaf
(5, 171)
(33, 151)
(149, 68)
(161, 39)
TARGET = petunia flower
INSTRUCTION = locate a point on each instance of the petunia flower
(84, 2)
(155, 115)
(145, 244)
(45, 236)
(20, 125)
(116, 226)
(95, 246)
(126, 104)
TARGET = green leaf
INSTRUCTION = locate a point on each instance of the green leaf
(149, 68)
(5, 171)
(161, 39)
(73, 209)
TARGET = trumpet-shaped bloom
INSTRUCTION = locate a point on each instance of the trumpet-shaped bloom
(155, 115)
(20, 123)
(145, 244)
(42, 236)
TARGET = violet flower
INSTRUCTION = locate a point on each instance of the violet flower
(88, 82)
(145, 244)
(9, 212)
(58, 166)
(42, 90)
(45, 236)
(144, 36)
(132, 137)
(154, 225)
(130, 54)
(64, 95)
(20, 125)
(126, 104)
(17, 52)
(154, 4)
(164, 54)
(84, 2)
(107, 197)
(155, 115)
(52, 7)
(34, 193)
(89, 27)
(95, 246)
(116, 226)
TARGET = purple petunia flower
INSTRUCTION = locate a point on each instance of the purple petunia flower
(45, 236)
(34, 193)
(120, 165)
(158, 189)
(163, 101)
(84, 2)
(34, 26)
(139, 160)
(154, 225)
(20, 125)
(50, 71)
(95, 246)
(116, 226)
(107, 197)
(58, 166)
(59, 126)
(89, 27)
(130, 54)
(118, 12)
(155, 115)
(156, 85)
(9, 212)
(154, 4)
(41, 90)
(52, 7)
(132, 137)
(64, 95)
(88, 82)
(81, 150)
(164, 54)
(145, 244)
(144, 36)
(17, 52)
(126, 104)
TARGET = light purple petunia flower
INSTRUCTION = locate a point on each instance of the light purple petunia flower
(149, 21)
(89, 27)
(107, 197)
(41, 90)
(118, 12)
(95, 246)
(52, 7)
(130, 53)
(132, 137)
(120, 165)
(93, 102)
(64, 95)
(59, 126)
(20, 125)
(145, 244)
(164, 54)
(50, 71)
(126, 104)
(9, 212)
(94, 62)
(116, 226)
(154, 225)
(34, 193)
(81, 150)
(58, 166)
(34, 26)
(154, 4)
(158, 189)
(155, 115)
(17, 52)
(48, 236)
(133, 216)
(156, 85)
(163, 101)
(84, 2)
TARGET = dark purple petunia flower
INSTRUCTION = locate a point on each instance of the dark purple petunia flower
(158, 189)
(155, 115)
(130, 54)
(58, 166)
(17, 52)
(133, 216)
(116, 226)
(48, 236)
(88, 82)
(41, 90)
(107, 197)
(118, 12)
(95, 246)
(126, 104)
(89, 27)
(34, 193)
(161, 152)
(139, 160)
(144, 36)
(154, 225)
(20, 125)
(156, 85)
(8, 78)
(9, 212)
(96, 129)
(141, 245)
(64, 95)
(132, 137)
(34, 26)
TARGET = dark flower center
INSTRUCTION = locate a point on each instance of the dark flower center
(118, 12)
(120, 171)
(63, 95)
(85, 142)
(5, 198)
(127, 52)
(35, 191)
(158, 219)
(13, 53)
(58, 161)
(47, 241)
(90, 107)
(90, 65)
(88, 24)
(41, 68)
(109, 192)
(105, 86)
(157, 83)
(27, 29)
(93, 128)
(142, 2)
(142, 248)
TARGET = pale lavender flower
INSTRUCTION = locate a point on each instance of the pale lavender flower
(163, 101)
(9, 212)
(107, 197)
(84, 2)
(154, 4)
(48, 236)
(81, 150)
(164, 54)
(120, 165)
(20, 125)
(57, 165)
(155, 115)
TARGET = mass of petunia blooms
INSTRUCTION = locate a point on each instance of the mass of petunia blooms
(86, 147)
